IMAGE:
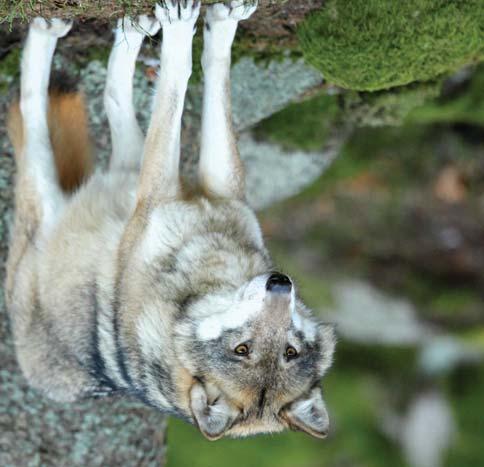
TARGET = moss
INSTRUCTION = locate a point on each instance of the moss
(303, 125)
(450, 302)
(466, 106)
(388, 107)
(9, 69)
(369, 45)
(100, 54)
(466, 390)
(440, 302)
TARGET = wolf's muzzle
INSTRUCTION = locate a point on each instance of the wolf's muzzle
(278, 283)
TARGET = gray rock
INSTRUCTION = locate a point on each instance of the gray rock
(258, 91)
(366, 315)
(427, 430)
(442, 354)
(267, 168)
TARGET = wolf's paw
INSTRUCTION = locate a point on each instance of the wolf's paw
(53, 27)
(236, 10)
(143, 24)
(171, 12)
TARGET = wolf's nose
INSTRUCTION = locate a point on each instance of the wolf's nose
(279, 283)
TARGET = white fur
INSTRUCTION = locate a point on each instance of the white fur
(126, 136)
(153, 332)
(159, 177)
(235, 317)
(172, 224)
(311, 411)
(242, 308)
(161, 236)
(39, 159)
(305, 325)
(219, 158)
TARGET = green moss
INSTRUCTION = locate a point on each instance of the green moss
(440, 302)
(304, 125)
(9, 69)
(388, 107)
(467, 106)
(100, 54)
(466, 391)
(368, 45)
(456, 301)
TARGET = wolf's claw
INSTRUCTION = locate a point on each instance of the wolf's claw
(173, 11)
(54, 27)
(236, 10)
(144, 24)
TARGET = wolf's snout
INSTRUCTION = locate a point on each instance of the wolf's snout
(279, 283)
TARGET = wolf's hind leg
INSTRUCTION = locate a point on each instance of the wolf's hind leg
(36, 164)
(126, 136)
(221, 172)
(159, 178)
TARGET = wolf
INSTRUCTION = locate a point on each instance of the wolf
(124, 281)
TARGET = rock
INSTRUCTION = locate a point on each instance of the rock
(442, 354)
(267, 168)
(427, 430)
(366, 315)
(258, 91)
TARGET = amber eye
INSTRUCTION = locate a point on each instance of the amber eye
(242, 350)
(291, 352)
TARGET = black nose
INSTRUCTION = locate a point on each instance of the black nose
(278, 283)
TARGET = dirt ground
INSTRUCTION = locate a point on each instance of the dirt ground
(274, 24)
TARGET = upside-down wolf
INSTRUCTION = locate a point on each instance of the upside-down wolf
(121, 280)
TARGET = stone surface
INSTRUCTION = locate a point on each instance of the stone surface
(366, 315)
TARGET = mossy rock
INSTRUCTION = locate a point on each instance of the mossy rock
(302, 125)
(465, 106)
(388, 107)
(368, 45)
(9, 69)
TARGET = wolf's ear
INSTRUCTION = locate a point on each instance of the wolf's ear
(213, 418)
(308, 414)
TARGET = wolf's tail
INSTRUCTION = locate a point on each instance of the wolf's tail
(69, 135)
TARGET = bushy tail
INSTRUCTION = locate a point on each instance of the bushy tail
(69, 135)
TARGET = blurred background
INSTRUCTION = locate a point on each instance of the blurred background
(361, 127)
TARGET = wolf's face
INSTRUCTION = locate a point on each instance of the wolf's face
(257, 357)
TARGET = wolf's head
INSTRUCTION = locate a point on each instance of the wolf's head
(257, 357)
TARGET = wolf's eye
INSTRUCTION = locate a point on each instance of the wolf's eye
(242, 350)
(290, 353)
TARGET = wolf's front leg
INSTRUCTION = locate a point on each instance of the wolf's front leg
(221, 172)
(37, 171)
(159, 172)
(126, 136)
